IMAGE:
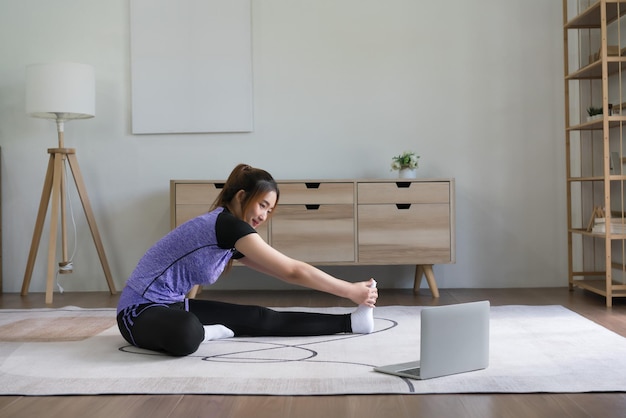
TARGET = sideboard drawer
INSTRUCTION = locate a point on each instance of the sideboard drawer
(318, 193)
(315, 233)
(417, 234)
(187, 212)
(197, 193)
(403, 192)
(194, 199)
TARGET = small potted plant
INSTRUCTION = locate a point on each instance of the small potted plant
(406, 163)
(594, 113)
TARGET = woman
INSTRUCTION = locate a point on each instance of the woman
(153, 312)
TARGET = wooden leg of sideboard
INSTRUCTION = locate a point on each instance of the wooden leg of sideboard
(430, 278)
(425, 270)
(419, 272)
(193, 292)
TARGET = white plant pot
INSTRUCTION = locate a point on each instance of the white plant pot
(407, 173)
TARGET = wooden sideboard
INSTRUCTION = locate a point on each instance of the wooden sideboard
(348, 222)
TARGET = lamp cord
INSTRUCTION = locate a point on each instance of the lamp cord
(69, 266)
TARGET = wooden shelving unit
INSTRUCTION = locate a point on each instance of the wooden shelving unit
(596, 174)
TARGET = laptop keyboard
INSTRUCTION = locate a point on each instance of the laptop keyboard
(413, 372)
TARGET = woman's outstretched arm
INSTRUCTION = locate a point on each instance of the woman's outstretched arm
(264, 258)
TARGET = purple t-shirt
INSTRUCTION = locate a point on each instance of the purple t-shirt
(194, 253)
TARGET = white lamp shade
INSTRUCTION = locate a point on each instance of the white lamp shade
(64, 90)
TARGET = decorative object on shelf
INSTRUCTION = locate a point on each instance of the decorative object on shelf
(406, 163)
(617, 109)
(615, 163)
(597, 213)
(594, 113)
(597, 112)
(61, 92)
(611, 51)
(618, 226)
(407, 173)
(597, 223)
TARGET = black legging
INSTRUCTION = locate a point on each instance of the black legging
(173, 330)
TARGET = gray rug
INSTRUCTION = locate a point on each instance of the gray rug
(79, 351)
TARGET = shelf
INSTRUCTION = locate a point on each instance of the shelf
(581, 231)
(598, 124)
(579, 179)
(590, 18)
(615, 177)
(599, 286)
(593, 70)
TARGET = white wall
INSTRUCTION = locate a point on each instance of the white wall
(340, 86)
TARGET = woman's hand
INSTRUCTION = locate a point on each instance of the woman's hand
(364, 294)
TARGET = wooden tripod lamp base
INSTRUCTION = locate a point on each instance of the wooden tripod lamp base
(61, 91)
(54, 187)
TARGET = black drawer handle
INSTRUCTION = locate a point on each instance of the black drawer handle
(219, 185)
(403, 206)
(312, 207)
(312, 185)
(403, 184)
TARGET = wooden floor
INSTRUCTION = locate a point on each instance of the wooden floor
(397, 406)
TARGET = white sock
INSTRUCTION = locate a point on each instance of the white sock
(217, 332)
(363, 318)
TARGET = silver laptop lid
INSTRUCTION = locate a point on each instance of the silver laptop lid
(454, 339)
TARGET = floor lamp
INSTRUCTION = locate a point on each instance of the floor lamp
(61, 91)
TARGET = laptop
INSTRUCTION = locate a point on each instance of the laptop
(454, 339)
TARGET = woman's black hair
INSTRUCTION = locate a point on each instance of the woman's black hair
(255, 182)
